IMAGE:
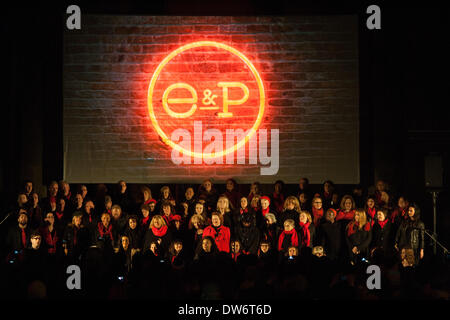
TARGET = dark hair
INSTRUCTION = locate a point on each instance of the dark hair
(416, 210)
(132, 217)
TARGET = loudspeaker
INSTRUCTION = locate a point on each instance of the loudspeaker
(434, 171)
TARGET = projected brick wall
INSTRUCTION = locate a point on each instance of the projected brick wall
(309, 67)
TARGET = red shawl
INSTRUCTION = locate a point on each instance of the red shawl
(371, 212)
(306, 234)
(242, 211)
(265, 211)
(144, 220)
(354, 226)
(278, 201)
(345, 215)
(294, 238)
(103, 231)
(161, 232)
(318, 214)
(382, 223)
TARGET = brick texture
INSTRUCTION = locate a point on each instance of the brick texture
(309, 67)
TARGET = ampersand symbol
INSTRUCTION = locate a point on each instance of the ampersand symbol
(208, 99)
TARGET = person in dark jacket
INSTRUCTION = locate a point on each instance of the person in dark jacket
(122, 196)
(158, 232)
(382, 236)
(51, 235)
(330, 235)
(19, 234)
(106, 231)
(291, 211)
(209, 193)
(90, 218)
(270, 230)
(118, 220)
(232, 193)
(248, 234)
(288, 237)
(35, 212)
(76, 238)
(358, 236)
(134, 233)
(411, 233)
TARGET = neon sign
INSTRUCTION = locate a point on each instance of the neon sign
(184, 99)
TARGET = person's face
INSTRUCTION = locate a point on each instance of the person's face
(334, 197)
(401, 202)
(132, 223)
(53, 190)
(380, 186)
(302, 183)
(288, 226)
(146, 195)
(264, 247)
(370, 203)
(206, 245)
(303, 218)
(22, 199)
(411, 212)
(166, 210)
(79, 198)
(123, 186)
(403, 254)
(116, 213)
(165, 193)
(269, 220)
(125, 242)
(292, 252)
(195, 222)
(235, 246)
(356, 216)
(152, 206)
(215, 220)
(222, 203)
(157, 223)
(153, 247)
(50, 218)
(89, 206)
(264, 203)
(319, 254)
(290, 205)
(29, 187)
(108, 205)
(278, 187)
(330, 216)
(189, 193)
(302, 198)
(244, 203)
(23, 219)
(77, 221)
(185, 207)
(199, 208)
(230, 185)
(177, 224)
(317, 203)
(35, 197)
(326, 187)
(35, 242)
(348, 204)
(254, 188)
(207, 185)
(66, 188)
(62, 204)
(106, 219)
(83, 191)
(178, 246)
(380, 216)
(145, 213)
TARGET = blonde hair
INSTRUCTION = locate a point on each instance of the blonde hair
(201, 220)
(227, 207)
(157, 217)
(308, 216)
(342, 205)
(362, 218)
(294, 200)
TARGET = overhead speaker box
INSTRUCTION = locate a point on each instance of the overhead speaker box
(434, 172)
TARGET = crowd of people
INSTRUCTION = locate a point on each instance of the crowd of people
(211, 244)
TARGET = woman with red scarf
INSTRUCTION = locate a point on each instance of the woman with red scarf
(288, 238)
(218, 232)
(400, 213)
(359, 236)
(51, 235)
(317, 211)
(382, 235)
(167, 212)
(371, 210)
(347, 209)
(307, 230)
(158, 232)
(144, 221)
(106, 231)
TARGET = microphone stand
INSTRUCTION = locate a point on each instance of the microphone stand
(7, 216)
(436, 242)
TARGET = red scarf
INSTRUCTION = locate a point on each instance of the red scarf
(168, 219)
(235, 255)
(345, 215)
(161, 232)
(144, 220)
(75, 229)
(306, 235)
(278, 200)
(354, 226)
(24, 238)
(318, 214)
(294, 238)
(149, 201)
(265, 211)
(382, 223)
(371, 212)
(50, 240)
(103, 231)
(242, 211)
(59, 215)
